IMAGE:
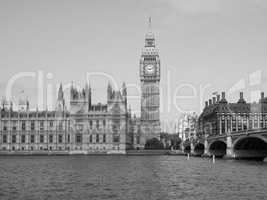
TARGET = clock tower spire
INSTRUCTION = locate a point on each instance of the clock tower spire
(150, 38)
(150, 79)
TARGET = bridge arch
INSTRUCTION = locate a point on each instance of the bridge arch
(199, 149)
(250, 147)
(218, 148)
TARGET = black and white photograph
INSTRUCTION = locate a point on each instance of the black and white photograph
(133, 99)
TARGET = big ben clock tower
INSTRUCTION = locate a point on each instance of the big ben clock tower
(150, 91)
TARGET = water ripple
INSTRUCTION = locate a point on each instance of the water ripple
(130, 177)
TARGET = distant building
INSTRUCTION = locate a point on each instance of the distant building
(170, 141)
(188, 127)
(26, 130)
(85, 128)
(220, 117)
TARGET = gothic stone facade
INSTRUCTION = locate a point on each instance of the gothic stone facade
(101, 128)
(34, 131)
(85, 128)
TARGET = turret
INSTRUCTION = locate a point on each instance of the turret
(11, 106)
(5, 104)
(27, 105)
(218, 98)
(213, 100)
(223, 100)
(109, 92)
(60, 106)
(263, 99)
(89, 97)
(124, 90)
(72, 92)
(60, 93)
(241, 98)
(210, 102)
(262, 95)
(124, 93)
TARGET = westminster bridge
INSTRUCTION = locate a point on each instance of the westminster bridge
(250, 144)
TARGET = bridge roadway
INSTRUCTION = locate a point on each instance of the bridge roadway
(251, 144)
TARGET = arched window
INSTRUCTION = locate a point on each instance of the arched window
(97, 124)
(138, 139)
(104, 138)
(97, 138)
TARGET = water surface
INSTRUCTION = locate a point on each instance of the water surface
(130, 177)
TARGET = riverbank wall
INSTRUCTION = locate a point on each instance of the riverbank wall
(81, 152)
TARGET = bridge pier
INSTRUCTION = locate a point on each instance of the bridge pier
(192, 148)
(182, 146)
(229, 146)
(206, 147)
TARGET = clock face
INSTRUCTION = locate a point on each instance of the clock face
(150, 69)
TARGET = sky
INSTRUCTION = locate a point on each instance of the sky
(205, 47)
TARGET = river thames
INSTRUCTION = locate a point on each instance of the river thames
(130, 177)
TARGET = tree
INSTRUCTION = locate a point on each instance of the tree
(154, 144)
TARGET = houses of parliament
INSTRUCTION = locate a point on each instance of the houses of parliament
(86, 127)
